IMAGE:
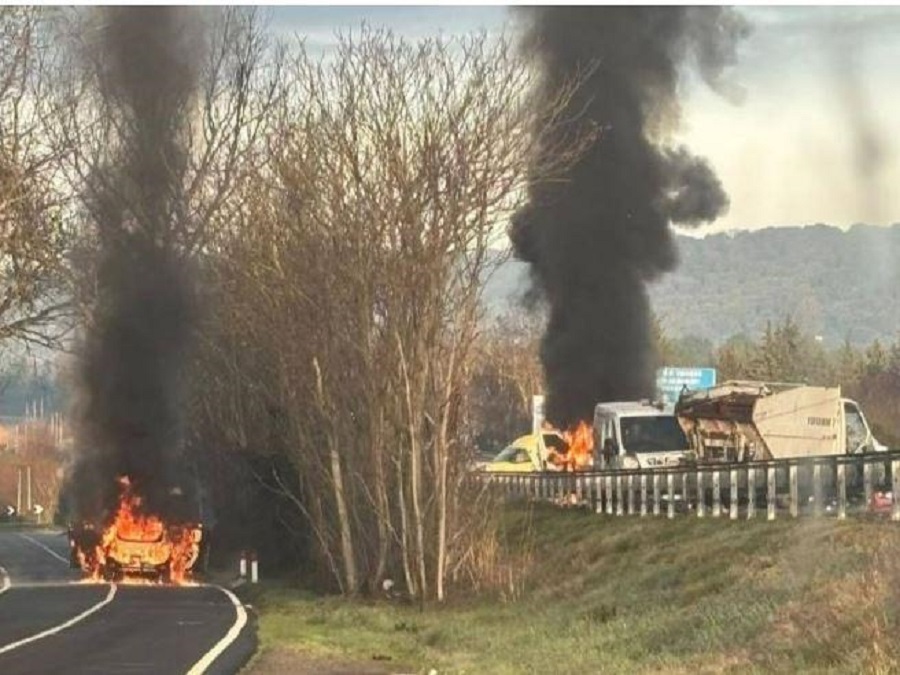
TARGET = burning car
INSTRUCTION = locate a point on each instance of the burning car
(526, 453)
(551, 450)
(135, 544)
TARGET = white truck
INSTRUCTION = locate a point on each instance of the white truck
(742, 421)
(638, 435)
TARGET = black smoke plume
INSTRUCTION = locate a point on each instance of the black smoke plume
(131, 369)
(596, 238)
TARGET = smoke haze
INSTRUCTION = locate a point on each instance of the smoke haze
(146, 62)
(595, 239)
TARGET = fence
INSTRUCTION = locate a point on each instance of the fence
(809, 486)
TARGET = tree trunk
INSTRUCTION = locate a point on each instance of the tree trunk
(337, 482)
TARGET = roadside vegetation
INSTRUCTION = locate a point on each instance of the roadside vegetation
(593, 594)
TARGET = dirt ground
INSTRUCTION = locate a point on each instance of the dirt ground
(286, 661)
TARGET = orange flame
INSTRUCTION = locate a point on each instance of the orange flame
(581, 445)
(137, 543)
(580, 451)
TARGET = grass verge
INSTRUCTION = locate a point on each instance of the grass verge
(628, 595)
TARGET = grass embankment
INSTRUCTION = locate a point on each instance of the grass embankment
(605, 595)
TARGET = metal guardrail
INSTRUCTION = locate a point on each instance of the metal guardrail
(808, 486)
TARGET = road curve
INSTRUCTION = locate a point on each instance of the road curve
(95, 628)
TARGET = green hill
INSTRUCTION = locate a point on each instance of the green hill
(834, 283)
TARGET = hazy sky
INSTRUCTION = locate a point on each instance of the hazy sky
(816, 139)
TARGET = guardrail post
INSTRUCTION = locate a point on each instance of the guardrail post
(842, 490)
(630, 487)
(655, 494)
(599, 488)
(717, 494)
(587, 485)
(609, 496)
(895, 489)
(795, 494)
(771, 492)
(620, 498)
(733, 506)
(867, 481)
(670, 487)
(818, 494)
(701, 496)
(751, 493)
(643, 494)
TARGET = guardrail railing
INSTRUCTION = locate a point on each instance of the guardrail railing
(808, 486)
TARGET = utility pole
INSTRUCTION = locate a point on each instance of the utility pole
(18, 490)
(28, 493)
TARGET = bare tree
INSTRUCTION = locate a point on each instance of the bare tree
(34, 239)
(350, 296)
(507, 372)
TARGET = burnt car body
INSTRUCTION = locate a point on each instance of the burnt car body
(159, 553)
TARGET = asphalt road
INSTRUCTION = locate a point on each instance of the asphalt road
(51, 623)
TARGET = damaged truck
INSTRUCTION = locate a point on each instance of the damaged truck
(745, 421)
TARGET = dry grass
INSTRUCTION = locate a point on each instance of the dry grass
(849, 621)
(567, 591)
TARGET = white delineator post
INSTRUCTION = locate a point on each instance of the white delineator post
(254, 568)
(243, 565)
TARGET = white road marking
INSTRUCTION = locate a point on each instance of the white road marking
(61, 627)
(229, 637)
(4, 581)
(55, 584)
(45, 547)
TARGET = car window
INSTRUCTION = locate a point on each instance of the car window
(856, 428)
(510, 453)
(659, 433)
(607, 432)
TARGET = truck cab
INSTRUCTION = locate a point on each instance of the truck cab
(858, 435)
(638, 435)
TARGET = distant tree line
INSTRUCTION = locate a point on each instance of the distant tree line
(508, 372)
